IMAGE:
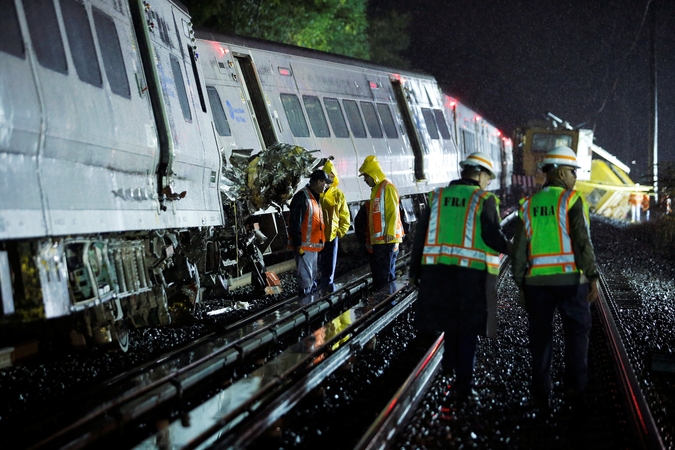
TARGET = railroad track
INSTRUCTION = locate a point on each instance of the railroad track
(409, 400)
(130, 396)
(611, 298)
(254, 407)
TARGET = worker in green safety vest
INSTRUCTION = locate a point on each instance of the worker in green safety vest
(455, 252)
(554, 267)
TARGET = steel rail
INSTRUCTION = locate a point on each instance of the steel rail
(277, 398)
(146, 395)
(643, 422)
(381, 432)
(396, 414)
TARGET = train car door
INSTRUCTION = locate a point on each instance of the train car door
(233, 124)
(410, 128)
(255, 98)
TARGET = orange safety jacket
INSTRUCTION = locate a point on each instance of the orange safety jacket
(547, 230)
(312, 225)
(377, 217)
(635, 199)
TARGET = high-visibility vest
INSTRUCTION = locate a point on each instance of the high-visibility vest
(454, 233)
(311, 230)
(547, 230)
(377, 217)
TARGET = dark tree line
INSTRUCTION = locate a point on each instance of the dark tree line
(345, 27)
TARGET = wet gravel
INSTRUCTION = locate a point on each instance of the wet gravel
(45, 384)
(644, 264)
(504, 417)
(336, 414)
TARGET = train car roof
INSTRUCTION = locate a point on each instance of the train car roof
(181, 6)
(261, 44)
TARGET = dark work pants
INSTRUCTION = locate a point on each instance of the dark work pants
(459, 353)
(383, 264)
(575, 313)
(327, 263)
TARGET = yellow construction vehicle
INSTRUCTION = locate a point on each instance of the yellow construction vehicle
(602, 179)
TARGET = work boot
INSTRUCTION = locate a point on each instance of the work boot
(576, 401)
(468, 396)
(541, 401)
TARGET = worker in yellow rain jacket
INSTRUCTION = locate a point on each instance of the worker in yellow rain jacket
(384, 223)
(455, 250)
(554, 266)
(305, 231)
(336, 220)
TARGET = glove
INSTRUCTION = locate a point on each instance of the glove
(593, 292)
(301, 252)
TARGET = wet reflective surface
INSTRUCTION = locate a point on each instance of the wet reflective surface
(224, 403)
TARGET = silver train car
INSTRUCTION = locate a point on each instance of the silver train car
(117, 120)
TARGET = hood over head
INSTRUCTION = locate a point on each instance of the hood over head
(371, 166)
(330, 169)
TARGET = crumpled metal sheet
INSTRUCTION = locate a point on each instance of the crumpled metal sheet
(271, 176)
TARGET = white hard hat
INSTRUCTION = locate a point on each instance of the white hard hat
(560, 156)
(482, 160)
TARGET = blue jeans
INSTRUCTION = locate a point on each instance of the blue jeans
(383, 265)
(575, 313)
(307, 271)
(327, 263)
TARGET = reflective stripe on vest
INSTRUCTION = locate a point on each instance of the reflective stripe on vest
(464, 254)
(378, 219)
(312, 237)
(562, 261)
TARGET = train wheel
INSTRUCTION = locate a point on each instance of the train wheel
(121, 334)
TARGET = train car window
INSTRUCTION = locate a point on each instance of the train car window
(371, 120)
(296, 119)
(387, 120)
(442, 124)
(432, 129)
(317, 119)
(81, 42)
(469, 142)
(543, 142)
(337, 119)
(111, 53)
(180, 88)
(46, 36)
(219, 116)
(494, 148)
(354, 118)
(10, 34)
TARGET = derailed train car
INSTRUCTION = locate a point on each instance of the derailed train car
(117, 124)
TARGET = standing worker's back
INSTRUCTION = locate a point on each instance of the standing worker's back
(384, 223)
(553, 265)
(455, 252)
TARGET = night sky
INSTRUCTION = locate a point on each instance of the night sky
(582, 60)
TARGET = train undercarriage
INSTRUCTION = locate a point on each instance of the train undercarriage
(102, 286)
